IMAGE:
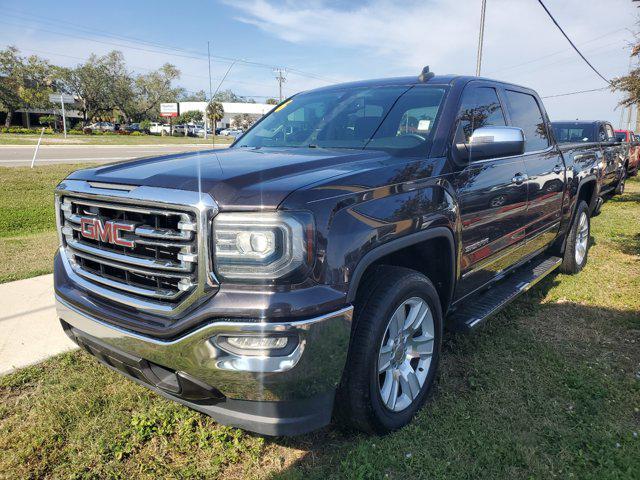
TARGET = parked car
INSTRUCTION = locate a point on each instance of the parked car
(181, 129)
(159, 128)
(598, 138)
(132, 127)
(315, 264)
(630, 139)
(103, 126)
(199, 131)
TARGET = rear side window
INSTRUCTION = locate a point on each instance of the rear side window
(480, 107)
(526, 114)
(610, 134)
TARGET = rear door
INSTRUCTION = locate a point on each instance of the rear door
(492, 196)
(611, 153)
(544, 166)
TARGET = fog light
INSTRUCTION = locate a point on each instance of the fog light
(257, 343)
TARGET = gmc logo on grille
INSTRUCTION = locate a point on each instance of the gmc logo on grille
(106, 231)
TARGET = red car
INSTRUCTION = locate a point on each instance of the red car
(627, 136)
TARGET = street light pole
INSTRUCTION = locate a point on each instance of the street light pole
(481, 37)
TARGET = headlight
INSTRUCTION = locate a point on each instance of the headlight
(262, 246)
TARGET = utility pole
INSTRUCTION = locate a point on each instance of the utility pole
(281, 79)
(481, 37)
(206, 117)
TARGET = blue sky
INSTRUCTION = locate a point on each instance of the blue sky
(328, 41)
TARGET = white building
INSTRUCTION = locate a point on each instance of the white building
(255, 110)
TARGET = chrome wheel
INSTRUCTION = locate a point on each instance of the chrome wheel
(405, 354)
(582, 238)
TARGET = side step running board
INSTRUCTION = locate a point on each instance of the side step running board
(476, 309)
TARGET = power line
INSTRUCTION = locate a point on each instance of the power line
(572, 44)
(154, 47)
(544, 57)
(577, 92)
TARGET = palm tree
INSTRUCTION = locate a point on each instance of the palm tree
(215, 112)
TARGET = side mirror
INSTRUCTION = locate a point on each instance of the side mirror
(493, 142)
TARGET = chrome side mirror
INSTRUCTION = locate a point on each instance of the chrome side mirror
(495, 142)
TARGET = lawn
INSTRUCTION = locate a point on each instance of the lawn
(28, 239)
(549, 388)
(58, 139)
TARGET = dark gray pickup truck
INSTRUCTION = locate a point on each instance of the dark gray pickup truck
(312, 267)
(587, 139)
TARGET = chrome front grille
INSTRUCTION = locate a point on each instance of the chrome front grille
(148, 254)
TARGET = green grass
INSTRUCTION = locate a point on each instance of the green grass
(549, 388)
(27, 219)
(58, 139)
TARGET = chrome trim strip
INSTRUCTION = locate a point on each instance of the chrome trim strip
(140, 271)
(162, 294)
(128, 259)
(314, 366)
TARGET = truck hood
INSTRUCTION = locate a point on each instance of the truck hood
(239, 178)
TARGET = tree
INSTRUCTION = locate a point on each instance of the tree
(228, 96)
(271, 101)
(89, 82)
(629, 84)
(199, 96)
(154, 88)
(192, 116)
(215, 113)
(121, 88)
(25, 82)
(48, 120)
(243, 121)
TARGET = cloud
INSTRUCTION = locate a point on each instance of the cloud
(401, 37)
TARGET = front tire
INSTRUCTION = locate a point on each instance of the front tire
(577, 248)
(394, 353)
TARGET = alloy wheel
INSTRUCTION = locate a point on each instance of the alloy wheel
(582, 238)
(405, 354)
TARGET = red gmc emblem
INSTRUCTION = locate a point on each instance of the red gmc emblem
(106, 231)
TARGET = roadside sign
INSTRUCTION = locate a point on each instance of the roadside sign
(168, 109)
(61, 98)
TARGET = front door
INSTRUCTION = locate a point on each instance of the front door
(492, 197)
(545, 170)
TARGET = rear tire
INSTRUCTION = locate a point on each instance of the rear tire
(577, 247)
(621, 183)
(395, 351)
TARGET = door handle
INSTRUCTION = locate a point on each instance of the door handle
(557, 169)
(519, 178)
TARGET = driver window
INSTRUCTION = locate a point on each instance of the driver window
(610, 133)
(480, 107)
(602, 135)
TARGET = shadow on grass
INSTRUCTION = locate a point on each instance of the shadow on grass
(627, 197)
(628, 244)
(541, 390)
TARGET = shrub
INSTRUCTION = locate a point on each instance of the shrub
(87, 130)
(49, 120)
(136, 134)
(75, 131)
(122, 132)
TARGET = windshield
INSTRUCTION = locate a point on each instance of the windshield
(398, 119)
(574, 132)
(621, 136)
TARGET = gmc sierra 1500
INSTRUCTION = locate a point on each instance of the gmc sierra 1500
(316, 263)
(596, 138)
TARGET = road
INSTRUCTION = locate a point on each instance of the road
(21, 155)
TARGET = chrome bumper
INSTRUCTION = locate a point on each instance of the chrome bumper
(313, 368)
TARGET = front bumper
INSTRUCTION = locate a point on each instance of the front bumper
(271, 395)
